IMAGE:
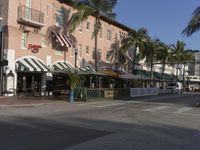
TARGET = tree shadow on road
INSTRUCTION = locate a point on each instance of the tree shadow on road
(24, 133)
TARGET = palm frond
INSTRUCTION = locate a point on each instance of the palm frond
(194, 23)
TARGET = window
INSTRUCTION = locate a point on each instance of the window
(1, 11)
(109, 35)
(44, 42)
(88, 26)
(116, 36)
(108, 55)
(60, 17)
(81, 27)
(100, 33)
(58, 50)
(47, 10)
(80, 50)
(93, 53)
(24, 40)
(28, 9)
(100, 53)
(87, 50)
(73, 50)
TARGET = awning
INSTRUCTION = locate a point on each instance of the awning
(31, 65)
(62, 39)
(109, 72)
(63, 67)
(87, 69)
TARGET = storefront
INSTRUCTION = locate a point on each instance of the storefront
(31, 76)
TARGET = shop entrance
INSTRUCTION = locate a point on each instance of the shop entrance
(29, 83)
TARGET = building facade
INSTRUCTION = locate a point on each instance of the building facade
(36, 39)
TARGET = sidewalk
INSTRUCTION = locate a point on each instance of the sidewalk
(26, 101)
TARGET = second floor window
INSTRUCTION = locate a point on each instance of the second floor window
(80, 50)
(58, 50)
(93, 53)
(87, 50)
(44, 42)
(60, 17)
(109, 35)
(73, 50)
(99, 54)
(88, 25)
(81, 27)
(24, 40)
(100, 33)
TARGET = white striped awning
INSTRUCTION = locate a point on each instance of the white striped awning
(63, 67)
(31, 65)
(87, 69)
(63, 40)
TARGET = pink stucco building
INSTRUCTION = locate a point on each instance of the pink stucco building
(36, 38)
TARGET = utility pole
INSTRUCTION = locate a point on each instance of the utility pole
(1, 56)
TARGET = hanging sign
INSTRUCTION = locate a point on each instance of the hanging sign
(34, 48)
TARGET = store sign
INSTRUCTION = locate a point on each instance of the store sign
(34, 48)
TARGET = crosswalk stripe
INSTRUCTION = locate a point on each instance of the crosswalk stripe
(156, 108)
(183, 110)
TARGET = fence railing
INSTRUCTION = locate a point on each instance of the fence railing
(118, 93)
(136, 92)
(30, 14)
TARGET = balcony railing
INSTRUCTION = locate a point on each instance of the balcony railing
(30, 17)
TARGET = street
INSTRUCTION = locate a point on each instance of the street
(165, 122)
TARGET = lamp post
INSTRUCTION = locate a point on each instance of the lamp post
(76, 53)
(1, 56)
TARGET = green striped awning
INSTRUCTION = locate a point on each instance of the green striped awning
(31, 65)
(87, 69)
(63, 67)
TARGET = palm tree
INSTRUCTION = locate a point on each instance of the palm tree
(163, 55)
(180, 55)
(96, 8)
(136, 39)
(150, 53)
(194, 23)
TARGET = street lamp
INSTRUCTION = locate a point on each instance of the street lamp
(76, 53)
(1, 56)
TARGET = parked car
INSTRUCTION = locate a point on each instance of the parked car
(177, 87)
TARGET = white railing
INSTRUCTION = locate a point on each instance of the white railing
(136, 92)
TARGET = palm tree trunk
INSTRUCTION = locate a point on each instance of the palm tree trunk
(151, 85)
(134, 57)
(163, 70)
(96, 49)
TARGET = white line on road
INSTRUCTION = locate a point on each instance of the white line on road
(108, 105)
(183, 110)
(156, 108)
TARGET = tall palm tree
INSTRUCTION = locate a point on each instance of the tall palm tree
(194, 23)
(179, 52)
(163, 55)
(96, 8)
(136, 39)
(180, 56)
(150, 53)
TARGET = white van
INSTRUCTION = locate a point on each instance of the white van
(176, 87)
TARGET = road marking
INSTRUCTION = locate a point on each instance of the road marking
(183, 110)
(108, 105)
(156, 108)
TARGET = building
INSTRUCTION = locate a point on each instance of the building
(193, 77)
(36, 39)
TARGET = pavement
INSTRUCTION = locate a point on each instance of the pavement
(19, 101)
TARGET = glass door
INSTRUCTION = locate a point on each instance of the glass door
(28, 9)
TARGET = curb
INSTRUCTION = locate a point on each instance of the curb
(22, 105)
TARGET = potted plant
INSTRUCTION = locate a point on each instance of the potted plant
(74, 80)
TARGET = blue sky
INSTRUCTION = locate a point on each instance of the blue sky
(164, 19)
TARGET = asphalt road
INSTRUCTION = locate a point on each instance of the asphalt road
(168, 122)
